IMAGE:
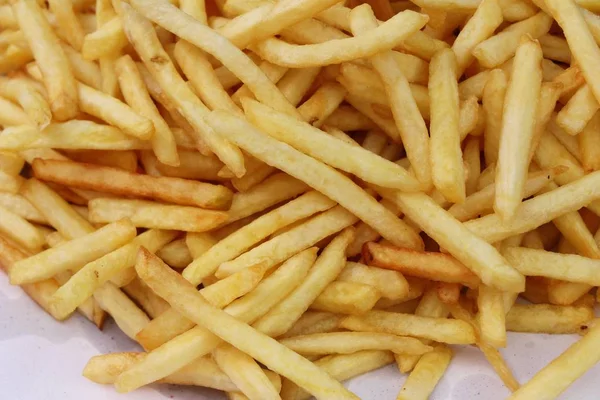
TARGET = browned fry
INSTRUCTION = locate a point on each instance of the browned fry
(422, 264)
(113, 180)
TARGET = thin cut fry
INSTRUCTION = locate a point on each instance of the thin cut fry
(347, 298)
(22, 232)
(428, 371)
(391, 284)
(545, 318)
(58, 78)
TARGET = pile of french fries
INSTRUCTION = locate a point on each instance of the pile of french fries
(272, 197)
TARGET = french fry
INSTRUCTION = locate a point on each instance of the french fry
(238, 242)
(448, 293)
(491, 316)
(571, 143)
(582, 44)
(95, 177)
(520, 105)
(320, 145)
(11, 163)
(390, 284)
(555, 48)
(560, 373)
(484, 262)
(346, 298)
(435, 266)
(243, 134)
(428, 371)
(58, 78)
(148, 214)
(538, 211)
(158, 62)
(203, 372)
(191, 303)
(445, 331)
(12, 115)
(171, 323)
(409, 121)
(68, 135)
(499, 48)
(587, 144)
(20, 231)
(346, 366)
(244, 372)
(478, 28)
(128, 316)
(322, 103)
(214, 44)
(195, 8)
(348, 119)
(446, 157)
(481, 202)
(20, 206)
(351, 342)
(10, 183)
(59, 214)
(387, 36)
(74, 254)
(472, 162)
(580, 109)
(107, 41)
(126, 160)
(84, 282)
(22, 91)
(137, 96)
(176, 254)
(281, 317)
(545, 318)
(314, 322)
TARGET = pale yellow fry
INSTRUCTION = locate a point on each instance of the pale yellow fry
(448, 5)
(127, 315)
(115, 112)
(20, 206)
(316, 174)
(387, 36)
(175, 254)
(539, 210)
(58, 78)
(185, 298)
(67, 21)
(484, 260)
(74, 254)
(171, 323)
(518, 126)
(322, 103)
(346, 298)
(243, 239)
(580, 109)
(169, 17)
(11, 163)
(141, 33)
(107, 41)
(59, 214)
(429, 370)
(439, 329)
(545, 318)
(10, 183)
(501, 47)
(324, 147)
(327, 267)
(244, 372)
(22, 91)
(564, 370)
(73, 134)
(345, 366)
(482, 201)
(391, 284)
(22, 232)
(491, 316)
(12, 115)
(582, 44)
(313, 322)
(570, 142)
(203, 78)
(478, 28)
(296, 82)
(409, 120)
(549, 96)
(149, 214)
(589, 144)
(140, 293)
(137, 96)
(84, 282)
(566, 267)
(195, 8)
(446, 155)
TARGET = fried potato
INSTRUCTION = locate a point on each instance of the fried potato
(58, 78)
(428, 371)
(434, 266)
(113, 180)
(74, 254)
(391, 284)
(347, 298)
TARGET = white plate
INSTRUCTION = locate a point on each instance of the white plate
(42, 359)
